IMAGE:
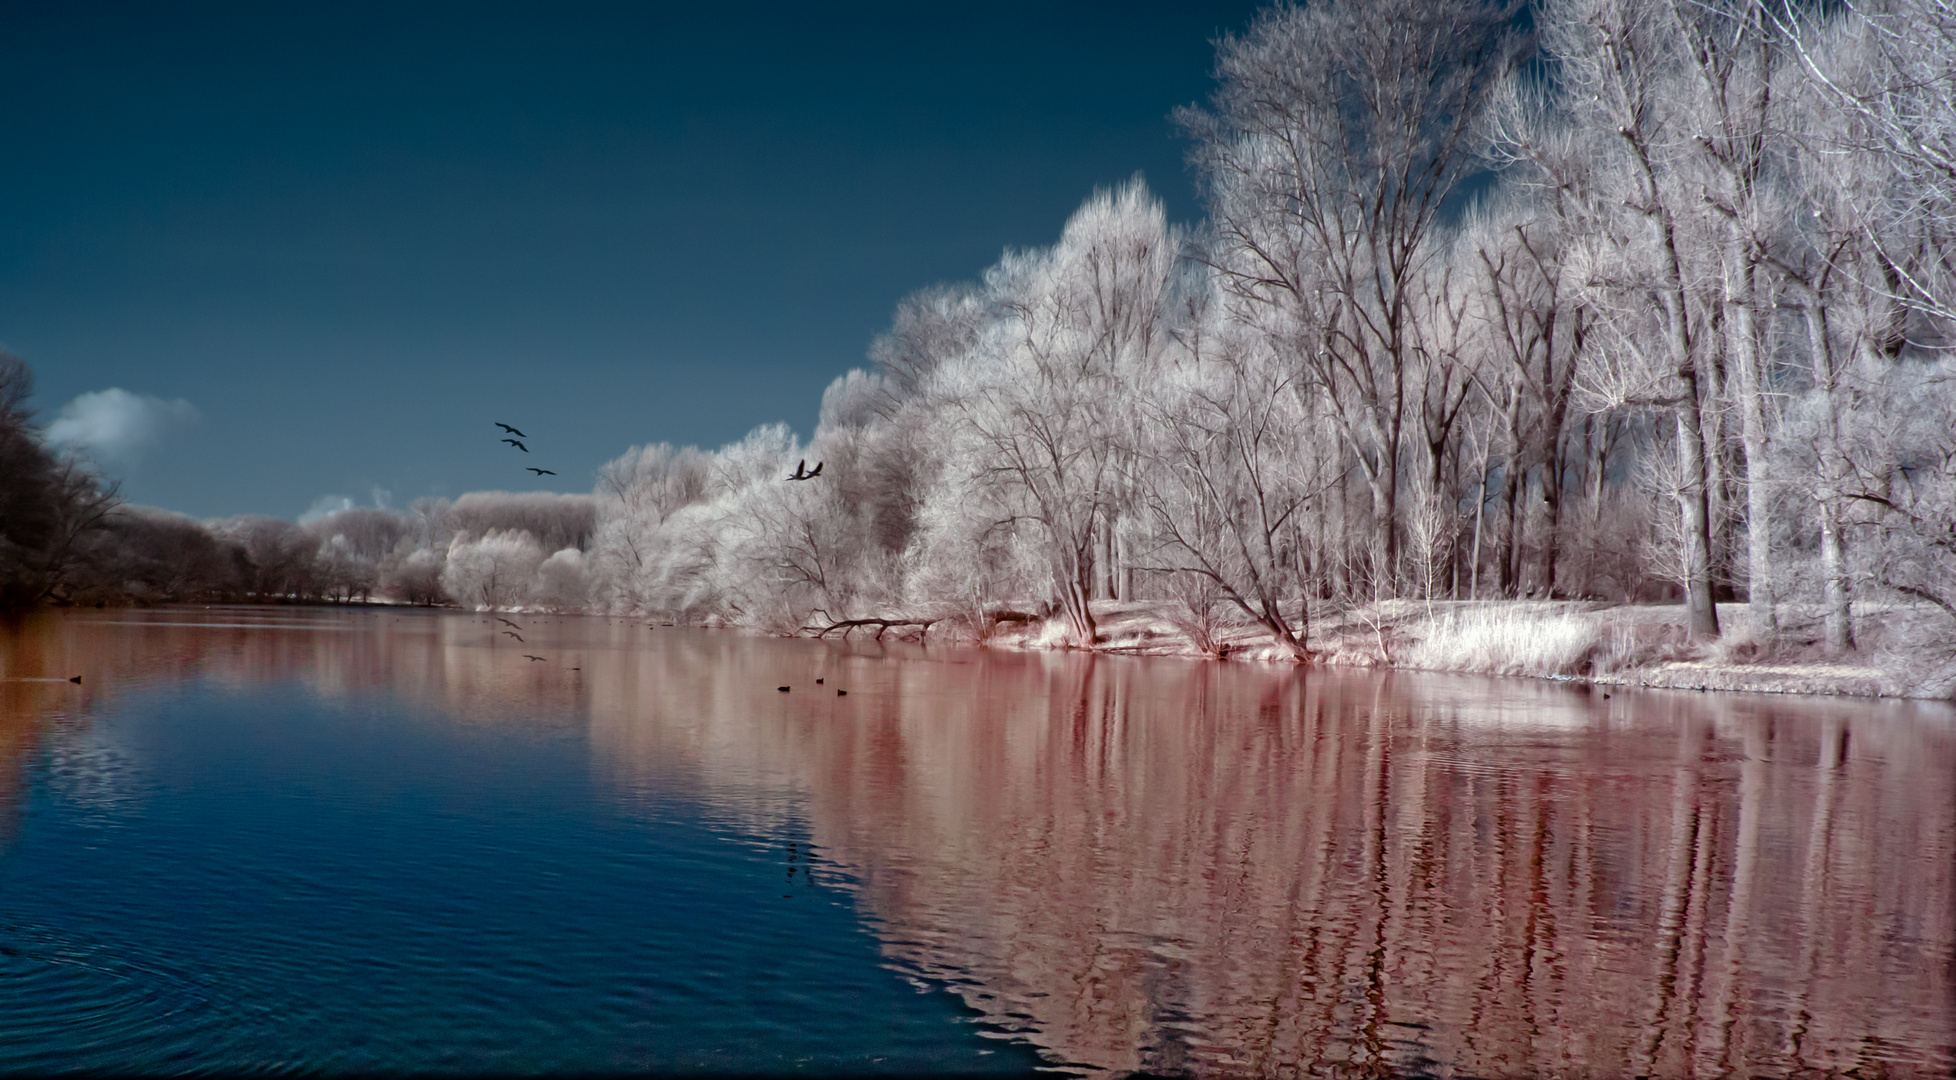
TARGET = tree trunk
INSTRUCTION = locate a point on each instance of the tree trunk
(1104, 559)
(1744, 330)
(1270, 614)
(1695, 510)
(1694, 507)
(1382, 517)
(1341, 570)
(1125, 581)
(1552, 504)
(1480, 512)
(1510, 490)
(1599, 465)
(1076, 600)
(1718, 491)
(1838, 616)
(1694, 502)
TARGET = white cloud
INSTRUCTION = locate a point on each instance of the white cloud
(325, 506)
(116, 425)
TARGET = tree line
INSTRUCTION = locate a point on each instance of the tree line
(1627, 300)
(66, 537)
(1630, 300)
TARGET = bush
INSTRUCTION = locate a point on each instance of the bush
(1508, 641)
(498, 571)
(416, 577)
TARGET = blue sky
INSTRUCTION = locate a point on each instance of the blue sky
(334, 243)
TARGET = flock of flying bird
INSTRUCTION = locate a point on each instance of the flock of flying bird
(802, 472)
(517, 442)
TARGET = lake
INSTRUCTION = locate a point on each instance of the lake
(346, 840)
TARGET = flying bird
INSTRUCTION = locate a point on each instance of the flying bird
(817, 472)
(507, 623)
(541, 472)
(527, 655)
(517, 445)
(514, 634)
(509, 429)
(801, 470)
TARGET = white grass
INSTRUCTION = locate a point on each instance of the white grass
(1506, 641)
(1053, 634)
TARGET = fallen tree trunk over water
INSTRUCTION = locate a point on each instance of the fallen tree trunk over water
(883, 626)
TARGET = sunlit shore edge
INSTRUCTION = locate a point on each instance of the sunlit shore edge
(1578, 641)
(1589, 642)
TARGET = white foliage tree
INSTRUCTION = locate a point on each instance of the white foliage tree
(495, 572)
(562, 584)
(1042, 399)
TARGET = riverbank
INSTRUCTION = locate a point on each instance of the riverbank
(1902, 651)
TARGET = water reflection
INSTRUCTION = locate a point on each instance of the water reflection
(1175, 866)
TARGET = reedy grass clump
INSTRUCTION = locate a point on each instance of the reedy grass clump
(1508, 641)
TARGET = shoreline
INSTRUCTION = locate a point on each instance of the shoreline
(1587, 642)
(1627, 645)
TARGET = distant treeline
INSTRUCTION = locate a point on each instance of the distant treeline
(1689, 337)
(66, 538)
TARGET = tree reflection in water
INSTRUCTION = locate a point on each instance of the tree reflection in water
(1182, 866)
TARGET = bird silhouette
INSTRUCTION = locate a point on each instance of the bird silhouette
(517, 445)
(514, 634)
(507, 623)
(528, 656)
(509, 429)
(540, 472)
(801, 470)
(817, 471)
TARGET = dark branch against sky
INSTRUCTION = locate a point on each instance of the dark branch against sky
(352, 237)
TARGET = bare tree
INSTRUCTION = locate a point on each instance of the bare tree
(495, 572)
(414, 575)
(49, 505)
(1045, 412)
(637, 493)
(1822, 256)
(1337, 135)
(932, 326)
(1232, 467)
(1890, 66)
(1735, 57)
(1620, 67)
(279, 555)
(1533, 327)
(562, 582)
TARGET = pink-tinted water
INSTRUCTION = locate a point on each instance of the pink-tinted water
(1232, 870)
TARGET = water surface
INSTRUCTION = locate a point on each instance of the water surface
(348, 840)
